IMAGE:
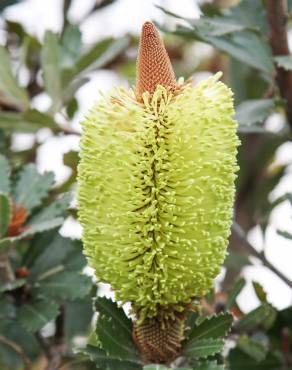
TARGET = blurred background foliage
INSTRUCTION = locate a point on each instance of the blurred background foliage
(46, 310)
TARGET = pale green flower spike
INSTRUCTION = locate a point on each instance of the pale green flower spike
(156, 189)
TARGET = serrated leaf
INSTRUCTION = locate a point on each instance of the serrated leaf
(202, 348)
(259, 316)
(32, 187)
(11, 285)
(104, 362)
(212, 327)
(5, 213)
(36, 314)
(41, 226)
(253, 112)
(209, 365)
(65, 285)
(233, 293)
(51, 66)
(31, 230)
(9, 86)
(252, 347)
(4, 175)
(54, 210)
(284, 61)
(81, 308)
(47, 254)
(114, 330)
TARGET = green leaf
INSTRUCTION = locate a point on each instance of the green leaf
(71, 45)
(250, 13)
(4, 175)
(82, 309)
(238, 360)
(262, 315)
(29, 121)
(212, 327)
(245, 46)
(39, 119)
(114, 330)
(65, 285)
(216, 26)
(252, 112)
(51, 65)
(209, 365)
(284, 61)
(36, 314)
(11, 285)
(162, 367)
(25, 340)
(101, 54)
(41, 226)
(252, 347)
(5, 213)
(203, 348)
(102, 361)
(54, 210)
(31, 230)
(47, 254)
(236, 261)
(156, 367)
(260, 292)
(32, 187)
(5, 3)
(285, 234)
(233, 293)
(235, 32)
(9, 86)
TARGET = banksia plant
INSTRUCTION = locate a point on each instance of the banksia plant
(156, 189)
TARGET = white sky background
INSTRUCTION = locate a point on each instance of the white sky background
(115, 20)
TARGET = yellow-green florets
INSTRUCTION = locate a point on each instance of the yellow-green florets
(156, 189)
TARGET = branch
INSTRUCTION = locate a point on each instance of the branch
(277, 17)
(241, 236)
(26, 361)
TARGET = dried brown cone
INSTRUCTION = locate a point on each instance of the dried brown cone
(153, 63)
(157, 343)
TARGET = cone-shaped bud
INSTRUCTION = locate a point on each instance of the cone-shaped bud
(153, 64)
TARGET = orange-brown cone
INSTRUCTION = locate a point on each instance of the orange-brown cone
(153, 64)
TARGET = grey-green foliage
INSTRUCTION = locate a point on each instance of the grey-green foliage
(4, 175)
(5, 213)
(32, 187)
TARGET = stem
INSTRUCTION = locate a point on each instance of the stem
(54, 350)
(6, 272)
(241, 236)
(277, 11)
(26, 361)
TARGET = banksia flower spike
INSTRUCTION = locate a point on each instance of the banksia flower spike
(156, 189)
